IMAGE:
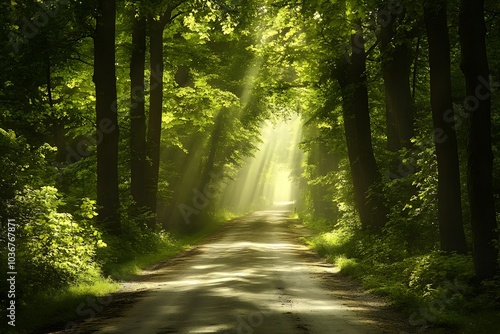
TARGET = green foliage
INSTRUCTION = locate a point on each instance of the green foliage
(417, 283)
(55, 248)
(334, 243)
(20, 165)
(434, 269)
(349, 266)
(126, 257)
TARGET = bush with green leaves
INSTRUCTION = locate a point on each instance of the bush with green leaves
(411, 192)
(437, 269)
(55, 248)
(20, 165)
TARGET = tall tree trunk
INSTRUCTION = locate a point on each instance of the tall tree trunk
(107, 119)
(155, 112)
(343, 78)
(449, 196)
(156, 27)
(479, 152)
(396, 70)
(371, 178)
(137, 113)
(364, 170)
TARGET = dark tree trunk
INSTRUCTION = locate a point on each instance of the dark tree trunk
(106, 120)
(156, 27)
(342, 76)
(137, 114)
(155, 112)
(479, 151)
(364, 170)
(396, 70)
(415, 69)
(449, 196)
(370, 174)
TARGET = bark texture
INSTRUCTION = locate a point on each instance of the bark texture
(475, 67)
(106, 115)
(449, 194)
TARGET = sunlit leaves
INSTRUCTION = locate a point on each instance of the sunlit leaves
(55, 247)
(201, 30)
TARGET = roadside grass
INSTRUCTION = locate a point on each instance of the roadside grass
(433, 289)
(59, 307)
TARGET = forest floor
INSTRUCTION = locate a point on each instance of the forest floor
(252, 276)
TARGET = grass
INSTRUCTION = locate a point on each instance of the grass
(125, 271)
(57, 306)
(60, 306)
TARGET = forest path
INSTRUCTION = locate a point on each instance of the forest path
(253, 277)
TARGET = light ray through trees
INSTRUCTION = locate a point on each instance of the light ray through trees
(264, 180)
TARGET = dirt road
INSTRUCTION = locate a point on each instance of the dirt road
(255, 277)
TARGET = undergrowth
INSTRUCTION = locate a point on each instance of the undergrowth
(433, 288)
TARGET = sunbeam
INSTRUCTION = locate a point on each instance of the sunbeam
(264, 180)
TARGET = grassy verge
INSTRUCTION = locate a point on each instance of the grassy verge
(433, 288)
(60, 306)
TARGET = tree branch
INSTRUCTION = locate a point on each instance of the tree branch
(167, 17)
(81, 60)
(493, 18)
(370, 50)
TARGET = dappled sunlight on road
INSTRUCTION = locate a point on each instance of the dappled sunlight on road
(253, 279)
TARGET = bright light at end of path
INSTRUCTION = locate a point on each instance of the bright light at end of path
(282, 187)
(265, 179)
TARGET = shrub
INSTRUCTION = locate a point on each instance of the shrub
(435, 269)
(54, 248)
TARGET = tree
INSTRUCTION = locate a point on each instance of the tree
(137, 111)
(356, 113)
(156, 27)
(474, 65)
(449, 194)
(106, 115)
(396, 68)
